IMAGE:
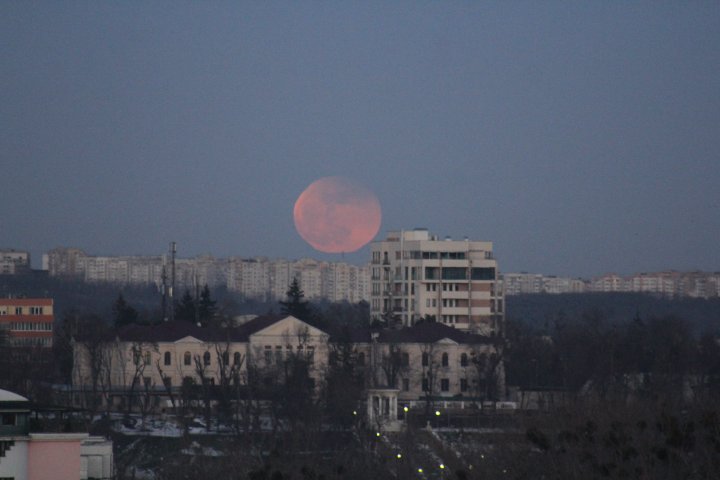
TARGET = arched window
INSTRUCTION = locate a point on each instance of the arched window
(236, 358)
(425, 359)
(187, 358)
(168, 358)
(463, 360)
(226, 358)
(445, 360)
(147, 358)
(206, 358)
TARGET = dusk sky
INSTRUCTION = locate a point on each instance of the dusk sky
(580, 137)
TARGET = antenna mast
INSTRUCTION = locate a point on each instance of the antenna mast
(173, 250)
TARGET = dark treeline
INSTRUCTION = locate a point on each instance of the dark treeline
(654, 355)
(541, 310)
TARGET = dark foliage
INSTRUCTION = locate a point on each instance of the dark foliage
(296, 305)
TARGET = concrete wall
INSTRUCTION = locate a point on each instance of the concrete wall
(54, 456)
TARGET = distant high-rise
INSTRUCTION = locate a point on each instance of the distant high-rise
(13, 262)
(417, 276)
(258, 278)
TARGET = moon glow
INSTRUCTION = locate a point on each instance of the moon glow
(336, 215)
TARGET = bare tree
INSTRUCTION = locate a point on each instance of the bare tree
(488, 374)
(428, 368)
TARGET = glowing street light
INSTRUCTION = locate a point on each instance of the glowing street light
(437, 413)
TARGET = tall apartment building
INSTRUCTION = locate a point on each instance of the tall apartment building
(13, 262)
(668, 284)
(258, 278)
(524, 283)
(415, 275)
(28, 321)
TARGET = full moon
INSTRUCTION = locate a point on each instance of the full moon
(336, 215)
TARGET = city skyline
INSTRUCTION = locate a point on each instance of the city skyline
(580, 140)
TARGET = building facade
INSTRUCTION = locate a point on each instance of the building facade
(667, 284)
(416, 276)
(147, 366)
(47, 456)
(14, 262)
(260, 278)
(527, 283)
(27, 321)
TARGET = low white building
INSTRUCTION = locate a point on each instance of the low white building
(47, 456)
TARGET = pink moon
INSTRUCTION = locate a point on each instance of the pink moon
(336, 215)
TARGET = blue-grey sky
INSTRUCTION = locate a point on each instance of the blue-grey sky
(580, 137)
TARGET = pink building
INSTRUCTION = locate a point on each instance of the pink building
(46, 456)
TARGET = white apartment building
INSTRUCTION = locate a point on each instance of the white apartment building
(260, 278)
(522, 283)
(415, 275)
(668, 284)
(14, 261)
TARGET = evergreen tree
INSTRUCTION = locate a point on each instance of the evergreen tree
(185, 308)
(295, 305)
(124, 313)
(206, 306)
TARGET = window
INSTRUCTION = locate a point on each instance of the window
(167, 358)
(463, 385)
(311, 354)
(236, 358)
(463, 360)
(445, 360)
(431, 273)
(187, 358)
(425, 385)
(278, 355)
(8, 419)
(268, 355)
(147, 358)
(226, 358)
(425, 359)
(454, 273)
(487, 273)
(404, 359)
(445, 385)
(206, 358)
(18, 310)
(406, 384)
(36, 310)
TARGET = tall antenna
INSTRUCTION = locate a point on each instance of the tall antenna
(173, 250)
(197, 299)
(164, 288)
